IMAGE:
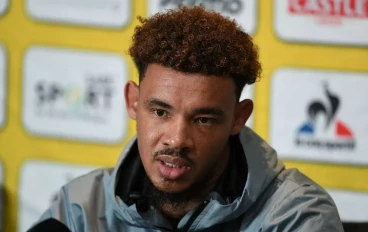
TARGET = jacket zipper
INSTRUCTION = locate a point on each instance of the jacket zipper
(192, 217)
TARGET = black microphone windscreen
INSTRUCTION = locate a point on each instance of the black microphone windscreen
(50, 224)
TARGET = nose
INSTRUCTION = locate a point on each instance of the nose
(178, 135)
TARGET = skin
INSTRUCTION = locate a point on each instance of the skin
(190, 112)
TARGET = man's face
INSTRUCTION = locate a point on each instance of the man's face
(183, 125)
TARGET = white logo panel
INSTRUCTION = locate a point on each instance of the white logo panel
(3, 72)
(40, 182)
(352, 206)
(320, 115)
(244, 12)
(322, 21)
(248, 93)
(3, 6)
(99, 13)
(75, 94)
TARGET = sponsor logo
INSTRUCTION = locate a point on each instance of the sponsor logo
(319, 115)
(2, 84)
(96, 13)
(90, 102)
(343, 136)
(3, 6)
(38, 191)
(75, 94)
(330, 11)
(322, 21)
(225, 6)
(244, 12)
(343, 8)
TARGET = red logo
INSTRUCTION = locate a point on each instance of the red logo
(341, 8)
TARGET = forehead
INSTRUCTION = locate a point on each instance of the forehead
(168, 84)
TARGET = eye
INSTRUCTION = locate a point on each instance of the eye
(204, 120)
(159, 113)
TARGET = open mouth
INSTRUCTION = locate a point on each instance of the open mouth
(172, 167)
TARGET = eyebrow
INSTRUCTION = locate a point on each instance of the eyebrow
(209, 110)
(155, 102)
(203, 110)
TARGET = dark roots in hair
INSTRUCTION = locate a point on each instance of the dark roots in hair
(193, 40)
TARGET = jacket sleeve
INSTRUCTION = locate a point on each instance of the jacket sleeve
(60, 211)
(308, 208)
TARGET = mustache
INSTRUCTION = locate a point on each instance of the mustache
(181, 153)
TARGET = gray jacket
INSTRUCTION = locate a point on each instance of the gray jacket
(273, 199)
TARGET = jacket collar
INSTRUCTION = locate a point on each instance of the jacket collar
(263, 167)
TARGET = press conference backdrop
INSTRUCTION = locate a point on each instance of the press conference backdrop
(63, 65)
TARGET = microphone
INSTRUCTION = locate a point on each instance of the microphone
(50, 224)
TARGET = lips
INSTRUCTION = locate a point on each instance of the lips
(172, 167)
(174, 160)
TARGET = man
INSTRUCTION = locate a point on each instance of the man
(193, 166)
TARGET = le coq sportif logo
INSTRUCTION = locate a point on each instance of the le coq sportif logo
(321, 119)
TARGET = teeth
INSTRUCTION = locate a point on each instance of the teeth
(172, 165)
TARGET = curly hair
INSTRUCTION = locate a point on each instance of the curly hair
(194, 40)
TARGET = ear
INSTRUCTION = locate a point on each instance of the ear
(131, 93)
(243, 110)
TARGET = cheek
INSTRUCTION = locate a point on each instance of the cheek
(148, 135)
(211, 147)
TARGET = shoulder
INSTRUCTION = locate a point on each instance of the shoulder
(85, 183)
(296, 188)
(299, 202)
(81, 201)
(292, 181)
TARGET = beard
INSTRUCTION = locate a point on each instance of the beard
(175, 200)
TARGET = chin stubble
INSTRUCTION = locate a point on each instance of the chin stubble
(175, 200)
